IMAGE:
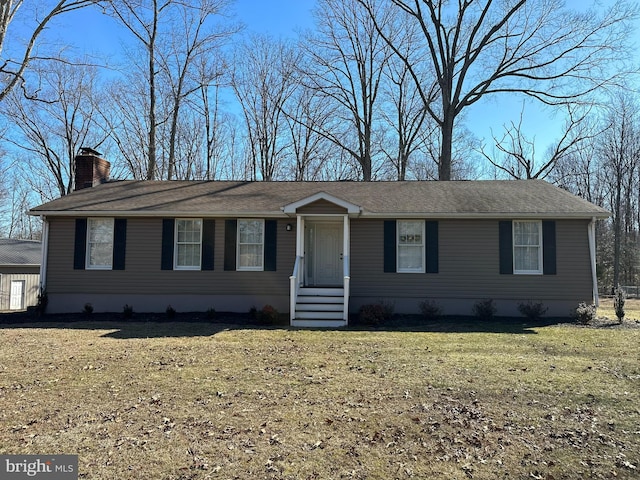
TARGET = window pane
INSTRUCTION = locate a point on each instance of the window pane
(188, 235)
(409, 258)
(250, 256)
(410, 246)
(99, 242)
(526, 246)
(250, 244)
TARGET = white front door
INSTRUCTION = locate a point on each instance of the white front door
(16, 301)
(324, 253)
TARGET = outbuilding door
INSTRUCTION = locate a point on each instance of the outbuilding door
(16, 301)
(323, 244)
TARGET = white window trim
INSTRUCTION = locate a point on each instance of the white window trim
(175, 246)
(88, 265)
(422, 269)
(539, 271)
(249, 269)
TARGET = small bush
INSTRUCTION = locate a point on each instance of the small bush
(585, 313)
(87, 309)
(532, 311)
(170, 311)
(253, 313)
(43, 301)
(268, 315)
(375, 313)
(619, 297)
(430, 310)
(211, 313)
(484, 309)
(127, 311)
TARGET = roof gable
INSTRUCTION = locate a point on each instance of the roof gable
(292, 208)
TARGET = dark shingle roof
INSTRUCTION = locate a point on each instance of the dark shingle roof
(19, 252)
(506, 198)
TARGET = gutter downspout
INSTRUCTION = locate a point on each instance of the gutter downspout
(45, 254)
(592, 251)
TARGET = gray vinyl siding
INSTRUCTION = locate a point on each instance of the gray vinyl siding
(469, 265)
(142, 274)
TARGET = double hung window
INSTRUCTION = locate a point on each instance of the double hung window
(250, 244)
(527, 247)
(411, 246)
(188, 246)
(99, 244)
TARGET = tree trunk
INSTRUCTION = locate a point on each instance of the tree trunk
(446, 148)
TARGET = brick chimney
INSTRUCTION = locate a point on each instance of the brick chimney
(91, 169)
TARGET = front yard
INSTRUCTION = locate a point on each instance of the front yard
(201, 400)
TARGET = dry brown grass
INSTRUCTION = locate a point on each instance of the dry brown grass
(199, 401)
(631, 307)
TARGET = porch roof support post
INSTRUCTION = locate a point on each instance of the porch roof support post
(346, 256)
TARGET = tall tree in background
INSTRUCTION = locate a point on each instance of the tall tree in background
(346, 58)
(536, 48)
(181, 61)
(15, 58)
(264, 78)
(142, 19)
(517, 156)
(620, 153)
(50, 131)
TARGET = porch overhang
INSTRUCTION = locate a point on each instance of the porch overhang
(351, 208)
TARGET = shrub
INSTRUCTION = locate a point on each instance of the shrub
(127, 311)
(619, 297)
(43, 301)
(430, 310)
(88, 309)
(532, 311)
(585, 313)
(484, 309)
(211, 313)
(171, 312)
(268, 315)
(375, 313)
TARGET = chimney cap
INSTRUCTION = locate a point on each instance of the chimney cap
(89, 151)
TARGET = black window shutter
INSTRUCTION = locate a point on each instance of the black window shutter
(270, 245)
(506, 247)
(549, 247)
(208, 234)
(80, 244)
(390, 246)
(119, 243)
(230, 233)
(432, 246)
(168, 227)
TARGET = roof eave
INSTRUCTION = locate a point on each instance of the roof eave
(363, 214)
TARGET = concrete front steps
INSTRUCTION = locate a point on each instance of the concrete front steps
(319, 307)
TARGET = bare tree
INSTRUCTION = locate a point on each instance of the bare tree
(535, 48)
(142, 18)
(264, 78)
(346, 59)
(620, 153)
(15, 58)
(53, 128)
(517, 153)
(193, 43)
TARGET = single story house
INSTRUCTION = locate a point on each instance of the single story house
(19, 273)
(317, 250)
